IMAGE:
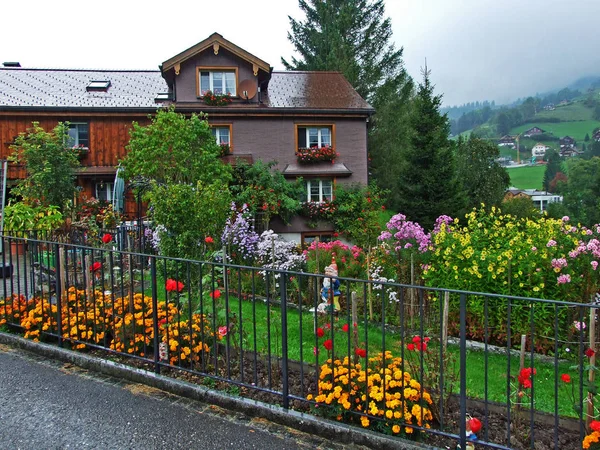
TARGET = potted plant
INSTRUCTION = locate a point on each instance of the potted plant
(21, 218)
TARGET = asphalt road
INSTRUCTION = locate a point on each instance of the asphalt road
(49, 405)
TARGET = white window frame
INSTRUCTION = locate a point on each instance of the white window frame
(73, 141)
(320, 142)
(326, 183)
(108, 188)
(218, 131)
(232, 92)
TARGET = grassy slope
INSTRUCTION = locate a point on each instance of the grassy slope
(529, 177)
(573, 112)
(576, 130)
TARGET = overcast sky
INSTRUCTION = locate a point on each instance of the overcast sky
(476, 49)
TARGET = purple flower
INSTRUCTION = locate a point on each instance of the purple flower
(551, 243)
(594, 264)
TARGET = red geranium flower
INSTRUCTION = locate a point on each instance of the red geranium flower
(107, 238)
(525, 377)
(589, 353)
(209, 240)
(345, 328)
(216, 294)
(173, 285)
(595, 425)
(328, 344)
(475, 425)
(566, 377)
(320, 332)
(96, 266)
(162, 321)
(410, 347)
(417, 339)
(361, 352)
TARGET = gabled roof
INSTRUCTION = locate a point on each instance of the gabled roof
(61, 88)
(216, 41)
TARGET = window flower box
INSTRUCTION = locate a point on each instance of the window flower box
(316, 211)
(82, 151)
(212, 99)
(225, 149)
(316, 154)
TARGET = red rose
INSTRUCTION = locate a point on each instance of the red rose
(361, 352)
(107, 238)
(411, 347)
(320, 332)
(566, 377)
(96, 266)
(345, 328)
(209, 240)
(595, 425)
(328, 344)
(216, 294)
(527, 383)
(417, 339)
(589, 353)
(475, 425)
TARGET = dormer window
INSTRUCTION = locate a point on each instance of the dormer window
(217, 80)
(98, 86)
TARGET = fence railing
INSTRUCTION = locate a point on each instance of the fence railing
(384, 356)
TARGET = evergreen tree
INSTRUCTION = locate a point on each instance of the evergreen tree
(587, 137)
(350, 36)
(428, 183)
(552, 168)
(483, 179)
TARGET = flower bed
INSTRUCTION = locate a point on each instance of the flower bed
(316, 154)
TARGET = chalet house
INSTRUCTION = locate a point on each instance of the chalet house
(539, 149)
(506, 141)
(272, 115)
(540, 199)
(569, 152)
(549, 107)
(533, 132)
(596, 136)
(567, 142)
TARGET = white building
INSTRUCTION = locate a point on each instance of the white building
(539, 149)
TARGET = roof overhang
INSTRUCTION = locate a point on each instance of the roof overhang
(316, 170)
(216, 41)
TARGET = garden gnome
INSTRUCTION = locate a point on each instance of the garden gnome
(330, 292)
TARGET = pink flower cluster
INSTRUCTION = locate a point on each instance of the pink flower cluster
(406, 234)
(564, 279)
(559, 263)
(333, 246)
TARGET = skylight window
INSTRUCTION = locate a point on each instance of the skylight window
(162, 97)
(98, 85)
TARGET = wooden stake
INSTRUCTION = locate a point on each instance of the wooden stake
(355, 321)
(445, 321)
(521, 367)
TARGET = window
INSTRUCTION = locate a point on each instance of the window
(98, 86)
(79, 135)
(104, 191)
(319, 190)
(309, 238)
(315, 136)
(219, 82)
(222, 135)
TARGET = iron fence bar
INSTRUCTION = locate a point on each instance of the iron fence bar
(284, 340)
(463, 370)
(58, 297)
(155, 314)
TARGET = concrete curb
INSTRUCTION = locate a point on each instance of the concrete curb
(324, 428)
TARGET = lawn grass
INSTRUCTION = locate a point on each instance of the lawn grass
(572, 112)
(528, 177)
(577, 130)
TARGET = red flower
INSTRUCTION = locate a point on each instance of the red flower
(173, 285)
(361, 352)
(566, 378)
(417, 339)
(209, 240)
(345, 328)
(96, 266)
(525, 377)
(162, 322)
(595, 425)
(474, 424)
(328, 344)
(216, 294)
(589, 353)
(320, 332)
(107, 238)
(411, 347)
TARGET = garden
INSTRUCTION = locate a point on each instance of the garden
(480, 332)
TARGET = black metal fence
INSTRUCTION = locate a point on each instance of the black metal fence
(359, 352)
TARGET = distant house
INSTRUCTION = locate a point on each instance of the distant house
(569, 152)
(567, 142)
(539, 149)
(504, 161)
(563, 103)
(540, 199)
(507, 141)
(549, 107)
(533, 132)
(596, 136)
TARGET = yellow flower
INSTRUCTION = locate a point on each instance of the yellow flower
(396, 429)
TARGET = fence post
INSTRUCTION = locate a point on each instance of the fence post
(592, 333)
(463, 371)
(155, 341)
(284, 336)
(58, 281)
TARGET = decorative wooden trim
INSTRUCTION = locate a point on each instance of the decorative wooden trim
(216, 48)
(177, 68)
(214, 69)
(255, 69)
(211, 41)
(314, 124)
(223, 125)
